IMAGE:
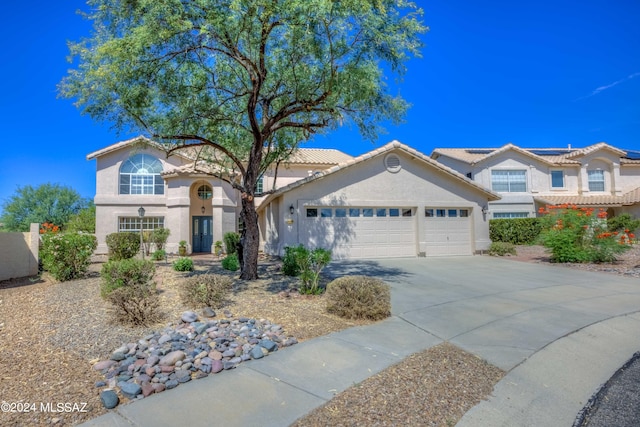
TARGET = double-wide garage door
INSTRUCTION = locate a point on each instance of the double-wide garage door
(356, 232)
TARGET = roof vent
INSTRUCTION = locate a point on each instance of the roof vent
(392, 163)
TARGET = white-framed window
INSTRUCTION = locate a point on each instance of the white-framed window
(205, 192)
(596, 180)
(509, 181)
(498, 215)
(140, 174)
(133, 223)
(260, 184)
(557, 179)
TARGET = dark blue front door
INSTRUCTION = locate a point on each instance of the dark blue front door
(202, 237)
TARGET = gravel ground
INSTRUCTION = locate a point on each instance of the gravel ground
(51, 333)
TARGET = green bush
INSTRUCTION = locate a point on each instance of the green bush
(231, 242)
(183, 264)
(206, 290)
(290, 261)
(159, 255)
(359, 297)
(231, 263)
(123, 245)
(502, 249)
(624, 222)
(575, 234)
(67, 255)
(125, 273)
(519, 231)
(159, 237)
(310, 270)
(136, 305)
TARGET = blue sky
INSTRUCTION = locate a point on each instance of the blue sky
(538, 74)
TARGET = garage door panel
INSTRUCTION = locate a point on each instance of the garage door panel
(448, 235)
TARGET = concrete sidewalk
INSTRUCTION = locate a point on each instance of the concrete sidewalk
(559, 333)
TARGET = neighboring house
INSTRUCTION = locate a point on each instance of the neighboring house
(599, 176)
(194, 206)
(390, 202)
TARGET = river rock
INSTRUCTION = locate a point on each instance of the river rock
(189, 316)
(171, 358)
(109, 399)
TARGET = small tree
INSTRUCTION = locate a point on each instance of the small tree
(84, 221)
(159, 237)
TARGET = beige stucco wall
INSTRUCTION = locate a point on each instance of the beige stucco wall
(19, 253)
(417, 185)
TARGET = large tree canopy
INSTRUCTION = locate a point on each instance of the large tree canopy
(248, 79)
(46, 203)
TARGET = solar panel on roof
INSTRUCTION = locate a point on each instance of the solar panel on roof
(549, 152)
(480, 151)
(633, 155)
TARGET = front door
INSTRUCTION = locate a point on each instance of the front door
(202, 238)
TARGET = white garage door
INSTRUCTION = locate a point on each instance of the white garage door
(448, 231)
(356, 232)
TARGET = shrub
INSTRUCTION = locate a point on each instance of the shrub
(578, 235)
(519, 231)
(67, 255)
(206, 290)
(183, 264)
(123, 245)
(502, 249)
(231, 242)
(290, 262)
(310, 270)
(136, 305)
(159, 255)
(231, 263)
(624, 222)
(359, 297)
(125, 273)
(159, 237)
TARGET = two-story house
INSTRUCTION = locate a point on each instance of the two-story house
(599, 176)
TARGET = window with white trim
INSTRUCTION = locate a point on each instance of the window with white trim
(509, 181)
(260, 184)
(596, 180)
(133, 223)
(498, 215)
(140, 174)
(557, 179)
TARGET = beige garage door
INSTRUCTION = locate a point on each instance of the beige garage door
(448, 231)
(360, 232)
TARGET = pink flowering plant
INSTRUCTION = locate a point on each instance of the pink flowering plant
(580, 234)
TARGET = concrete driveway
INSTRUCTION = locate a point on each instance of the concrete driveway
(560, 334)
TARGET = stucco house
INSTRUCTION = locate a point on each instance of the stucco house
(390, 202)
(599, 175)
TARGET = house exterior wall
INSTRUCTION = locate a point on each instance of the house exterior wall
(369, 183)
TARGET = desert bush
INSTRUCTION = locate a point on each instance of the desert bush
(231, 262)
(137, 305)
(310, 269)
(123, 245)
(159, 237)
(67, 255)
(623, 222)
(125, 273)
(206, 290)
(359, 297)
(502, 249)
(159, 255)
(580, 235)
(290, 261)
(231, 242)
(183, 264)
(519, 231)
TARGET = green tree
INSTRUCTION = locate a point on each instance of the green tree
(52, 203)
(84, 221)
(242, 83)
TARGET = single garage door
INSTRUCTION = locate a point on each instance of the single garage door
(448, 231)
(360, 232)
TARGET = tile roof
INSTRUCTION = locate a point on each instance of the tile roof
(375, 153)
(630, 198)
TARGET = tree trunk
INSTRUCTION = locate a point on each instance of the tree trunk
(250, 240)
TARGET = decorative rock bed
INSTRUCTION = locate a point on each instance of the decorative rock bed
(188, 350)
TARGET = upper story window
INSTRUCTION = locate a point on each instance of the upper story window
(205, 192)
(140, 174)
(557, 179)
(509, 181)
(596, 180)
(260, 184)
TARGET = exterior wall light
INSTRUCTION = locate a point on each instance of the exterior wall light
(485, 210)
(292, 210)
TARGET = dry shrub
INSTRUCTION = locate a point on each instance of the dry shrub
(137, 304)
(206, 290)
(359, 297)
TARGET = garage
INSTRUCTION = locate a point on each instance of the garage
(361, 232)
(447, 231)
